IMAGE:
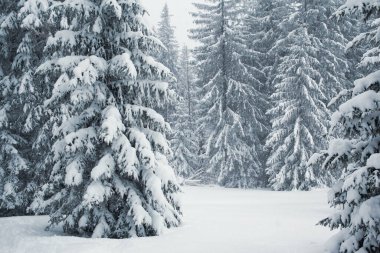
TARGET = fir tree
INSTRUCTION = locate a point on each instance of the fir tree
(262, 31)
(357, 148)
(230, 91)
(8, 16)
(311, 71)
(110, 176)
(184, 142)
(298, 108)
(168, 56)
(296, 115)
(339, 71)
(21, 34)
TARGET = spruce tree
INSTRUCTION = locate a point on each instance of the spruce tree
(296, 115)
(165, 32)
(336, 83)
(22, 35)
(8, 16)
(311, 71)
(184, 140)
(168, 55)
(357, 148)
(262, 31)
(110, 176)
(230, 91)
(181, 140)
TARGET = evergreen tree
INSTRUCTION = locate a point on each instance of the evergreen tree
(184, 142)
(331, 38)
(110, 176)
(357, 148)
(181, 140)
(296, 115)
(21, 34)
(230, 92)
(262, 31)
(336, 83)
(8, 16)
(169, 57)
(311, 71)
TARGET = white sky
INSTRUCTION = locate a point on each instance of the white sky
(181, 19)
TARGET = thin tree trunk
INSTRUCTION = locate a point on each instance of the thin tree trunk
(225, 74)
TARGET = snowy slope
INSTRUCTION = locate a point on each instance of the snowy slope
(216, 220)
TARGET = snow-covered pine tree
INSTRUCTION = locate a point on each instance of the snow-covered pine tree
(331, 37)
(299, 113)
(22, 34)
(312, 70)
(110, 176)
(169, 58)
(336, 66)
(8, 15)
(339, 71)
(229, 115)
(357, 194)
(262, 31)
(184, 140)
(182, 144)
(165, 32)
(8, 26)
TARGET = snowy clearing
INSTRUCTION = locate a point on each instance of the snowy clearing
(216, 220)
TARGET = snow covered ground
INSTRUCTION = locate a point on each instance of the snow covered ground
(217, 220)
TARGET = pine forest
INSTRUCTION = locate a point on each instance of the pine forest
(207, 125)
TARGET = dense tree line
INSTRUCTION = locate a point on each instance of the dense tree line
(100, 115)
(266, 72)
(303, 57)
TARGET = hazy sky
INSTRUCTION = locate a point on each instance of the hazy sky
(181, 19)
